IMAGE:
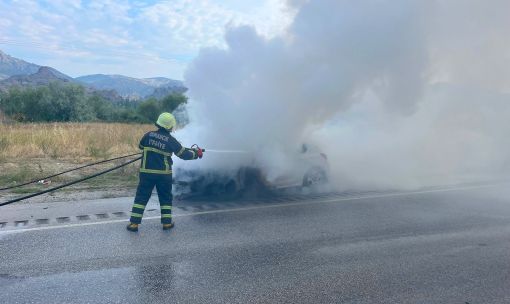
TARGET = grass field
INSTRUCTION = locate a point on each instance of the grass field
(29, 151)
(69, 140)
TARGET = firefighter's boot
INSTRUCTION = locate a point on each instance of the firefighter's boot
(168, 226)
(132, 227)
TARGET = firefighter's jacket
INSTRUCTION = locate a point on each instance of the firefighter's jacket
(158, 147)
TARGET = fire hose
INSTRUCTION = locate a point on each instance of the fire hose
(67, 171)
(73, 182)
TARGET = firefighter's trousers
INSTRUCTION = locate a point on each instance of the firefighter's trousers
(163, 184)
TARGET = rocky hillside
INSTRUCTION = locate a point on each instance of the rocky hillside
(10, 66)
(46, 75)
(43, 76)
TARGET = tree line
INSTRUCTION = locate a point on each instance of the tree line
(65, 102)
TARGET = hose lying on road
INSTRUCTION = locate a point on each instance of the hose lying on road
(67, 171)
(70, 183)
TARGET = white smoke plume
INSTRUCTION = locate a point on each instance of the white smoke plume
(398, 93)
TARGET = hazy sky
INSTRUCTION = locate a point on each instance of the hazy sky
(131, 37)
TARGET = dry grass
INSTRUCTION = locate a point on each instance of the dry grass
(29, 151)
(69, 141)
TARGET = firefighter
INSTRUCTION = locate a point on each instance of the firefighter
(156, 170)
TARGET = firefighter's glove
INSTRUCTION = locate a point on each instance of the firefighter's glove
(200, 153)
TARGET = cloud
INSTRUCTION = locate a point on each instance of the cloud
(168, 33)
(190, 25)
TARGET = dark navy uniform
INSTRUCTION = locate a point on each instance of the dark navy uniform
(156, 171)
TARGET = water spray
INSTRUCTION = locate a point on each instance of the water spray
(225, 151)
(195, 146)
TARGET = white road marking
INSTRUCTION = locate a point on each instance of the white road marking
(239, 209)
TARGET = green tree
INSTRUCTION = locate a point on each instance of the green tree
(12, 103)
(102, 109)
(149, 110)
(170, 102)
(71, 102)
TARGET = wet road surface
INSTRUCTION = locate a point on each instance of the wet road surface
(424, 247)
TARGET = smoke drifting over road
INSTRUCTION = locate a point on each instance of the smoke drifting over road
(398, 93)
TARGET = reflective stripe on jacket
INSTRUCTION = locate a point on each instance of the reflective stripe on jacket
(158, 147)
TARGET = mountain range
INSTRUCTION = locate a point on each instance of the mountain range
(133, 88)
(17, 72)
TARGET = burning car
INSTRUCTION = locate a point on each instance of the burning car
(237, 172)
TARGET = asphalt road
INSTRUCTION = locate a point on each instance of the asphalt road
(444, 246)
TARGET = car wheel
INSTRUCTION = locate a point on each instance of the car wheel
(315, 177)
(251, 183)
(231, 188)
(212, 189)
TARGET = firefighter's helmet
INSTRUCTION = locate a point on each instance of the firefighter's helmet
(166, 120)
